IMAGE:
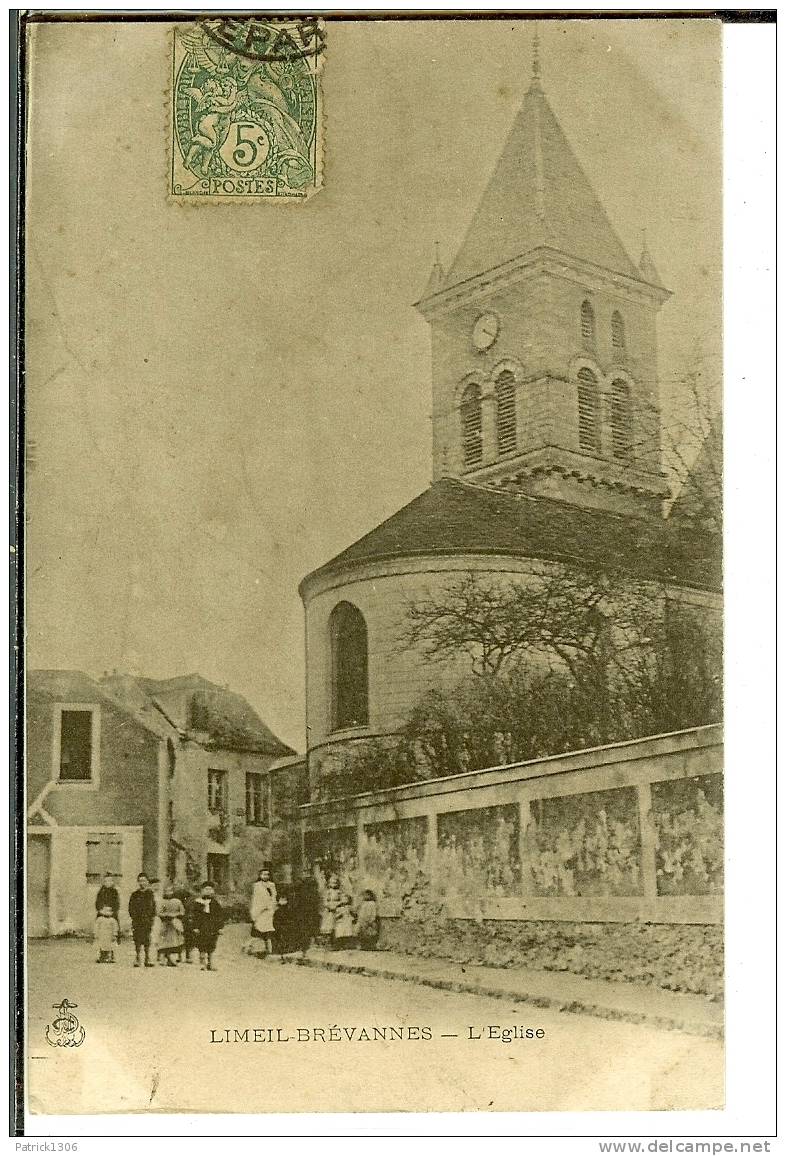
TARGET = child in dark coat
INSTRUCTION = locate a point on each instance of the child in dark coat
(367, 924)
(142, 909)
(208, 919)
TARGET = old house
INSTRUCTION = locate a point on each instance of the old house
(126, 774)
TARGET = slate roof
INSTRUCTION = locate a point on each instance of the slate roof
(539, 196)
(454, 517)
(168, 708)
(77, 687)
(223, 719)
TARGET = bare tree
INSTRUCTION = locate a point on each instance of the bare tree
(573, 619)
(685, 436)
(567, 659)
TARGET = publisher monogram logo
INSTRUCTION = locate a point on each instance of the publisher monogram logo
(65, 1030)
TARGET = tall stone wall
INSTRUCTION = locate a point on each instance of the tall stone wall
(632, 831)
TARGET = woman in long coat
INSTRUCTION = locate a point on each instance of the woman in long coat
(264, 901)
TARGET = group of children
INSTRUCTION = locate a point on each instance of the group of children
(172, 928)
(343, 926)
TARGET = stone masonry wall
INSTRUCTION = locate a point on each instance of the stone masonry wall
(684, 958)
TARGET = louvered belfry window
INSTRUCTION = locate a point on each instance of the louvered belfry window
(617, 333)
(471, 431)
(587, 323)
(506, 413)
(589, 404)
(621, 419)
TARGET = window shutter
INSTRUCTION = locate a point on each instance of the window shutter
(471, 428)
(589, 425)
(506, 413)
(587, 323)
(617, 332)
(620, 419)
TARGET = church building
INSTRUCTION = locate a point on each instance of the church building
(546, 438)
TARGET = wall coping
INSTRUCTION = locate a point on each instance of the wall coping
(649, 746)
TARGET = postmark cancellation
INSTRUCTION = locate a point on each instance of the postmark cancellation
(246, 117)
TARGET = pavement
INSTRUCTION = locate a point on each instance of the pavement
(561, 990)
(257, 1036)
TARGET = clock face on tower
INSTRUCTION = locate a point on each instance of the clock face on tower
(485, 331)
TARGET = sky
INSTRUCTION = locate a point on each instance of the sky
(222, 397)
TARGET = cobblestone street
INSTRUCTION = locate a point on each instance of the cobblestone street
(148, 1044)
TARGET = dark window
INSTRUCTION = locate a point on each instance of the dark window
(587, 322)
(256, 800)
(218, 871)
(217, 791)
(471, 431)
(617, 332)
(589, 425)
(349, 645)
(506, 413)
(76, 745)
(621, 419)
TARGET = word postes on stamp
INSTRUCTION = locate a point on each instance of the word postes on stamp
(246, 109)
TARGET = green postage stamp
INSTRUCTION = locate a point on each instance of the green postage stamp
(246, 109)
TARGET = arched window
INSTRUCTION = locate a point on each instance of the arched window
(471, 432)
(617, 333)
(587, 323)
(621, 419)
(506, 413)
(349, 653)
(589, 405)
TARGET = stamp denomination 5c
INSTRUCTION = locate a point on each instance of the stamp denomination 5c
(246, 109)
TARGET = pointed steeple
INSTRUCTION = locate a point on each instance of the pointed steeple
(539, 196)
(646, 264)
(437, 276)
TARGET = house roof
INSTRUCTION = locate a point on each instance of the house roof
(221, 718)
(77, 687)
(454, 517)
(168, 708)
(539, 196)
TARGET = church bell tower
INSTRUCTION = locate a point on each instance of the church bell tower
(544, 358)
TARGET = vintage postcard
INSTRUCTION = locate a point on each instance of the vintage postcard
(373, 565)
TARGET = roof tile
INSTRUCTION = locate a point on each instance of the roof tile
(539, 196)
(454, 517)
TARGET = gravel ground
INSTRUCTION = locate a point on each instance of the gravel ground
(148, 1044)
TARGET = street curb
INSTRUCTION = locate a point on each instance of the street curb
(600, 1011)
